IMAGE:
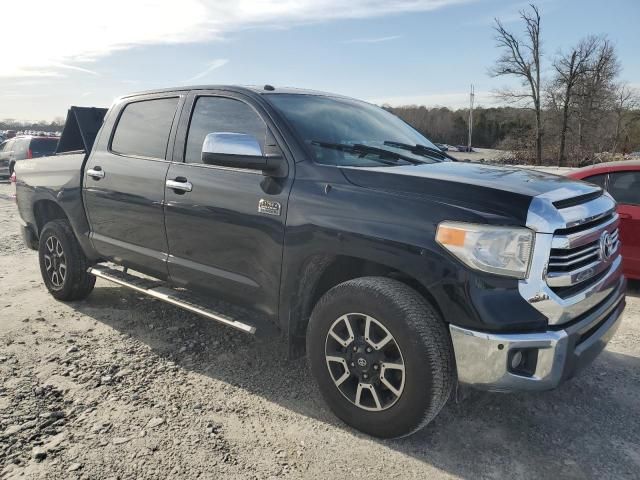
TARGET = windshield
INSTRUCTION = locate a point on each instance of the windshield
(324, 124)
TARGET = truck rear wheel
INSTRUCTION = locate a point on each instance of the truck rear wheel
(62, 262)
(381, 355)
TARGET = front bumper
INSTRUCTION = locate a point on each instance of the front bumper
(486, 360)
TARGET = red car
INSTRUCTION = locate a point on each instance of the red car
(622, 181)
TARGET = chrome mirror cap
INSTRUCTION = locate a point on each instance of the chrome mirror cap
(228, 143)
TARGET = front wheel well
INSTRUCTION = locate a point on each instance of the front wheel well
(322, 274)
(45, 211)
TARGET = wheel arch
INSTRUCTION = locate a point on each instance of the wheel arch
(45, 211)
(320, 273)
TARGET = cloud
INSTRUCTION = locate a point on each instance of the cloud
(373, 40)
(211, 66)
(73, 33)
(452, 100)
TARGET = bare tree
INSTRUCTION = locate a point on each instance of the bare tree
(521, 58)
(626, 99)
(570, 68)
(595, 94)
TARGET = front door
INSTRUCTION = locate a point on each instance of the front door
(124, 185)
(625, 188)
(219, 240)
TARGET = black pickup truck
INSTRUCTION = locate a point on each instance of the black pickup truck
(398, 272)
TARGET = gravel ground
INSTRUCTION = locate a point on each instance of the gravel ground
(122, 387)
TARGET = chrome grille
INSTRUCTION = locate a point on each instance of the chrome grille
(577, 254)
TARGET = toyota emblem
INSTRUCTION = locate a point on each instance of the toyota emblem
(606, 246)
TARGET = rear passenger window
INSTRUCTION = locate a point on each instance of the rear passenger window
(218, 114)
(41, 147)
(624, 187)
(143, 128)
(597, 179)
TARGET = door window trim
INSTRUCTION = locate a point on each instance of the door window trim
(179, 150)
(194, 103)
(172, 130)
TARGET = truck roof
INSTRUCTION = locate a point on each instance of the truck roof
(251, 89)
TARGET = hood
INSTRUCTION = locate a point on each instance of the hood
(501, 191)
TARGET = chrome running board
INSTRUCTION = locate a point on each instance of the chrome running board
(160, 291)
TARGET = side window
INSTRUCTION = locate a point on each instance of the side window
(218, 114)
(624, 187)
(3, 146)
(20, 148)
(8, 146)
(143, 128)
(597, 179)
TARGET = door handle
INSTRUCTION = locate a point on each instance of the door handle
(624, 215)
(96, 173)
(180, 183)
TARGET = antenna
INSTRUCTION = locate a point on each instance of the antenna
(472, 96)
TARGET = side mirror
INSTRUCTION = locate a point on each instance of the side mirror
(239, 150)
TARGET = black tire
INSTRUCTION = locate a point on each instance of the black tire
(420, 335)
(75, 283)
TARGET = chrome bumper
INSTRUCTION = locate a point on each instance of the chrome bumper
(485, 360)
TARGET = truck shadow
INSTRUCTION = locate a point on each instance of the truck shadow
(633, 288)
(586, 428)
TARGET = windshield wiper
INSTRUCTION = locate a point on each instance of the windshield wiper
(363, 150)
(420, 150)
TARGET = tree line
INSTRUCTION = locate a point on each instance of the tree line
(582, 110)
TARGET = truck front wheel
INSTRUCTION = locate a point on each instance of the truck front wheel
(62, 262)
(381, 355)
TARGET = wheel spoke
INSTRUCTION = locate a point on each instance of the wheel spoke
(392, 366)
(49, 244)
(59, 250)
(47, 262)
(346, 374)
(63, 271)
(386, 383)
(368, 335)
(344, 342)
(374, 395)
(383, 379)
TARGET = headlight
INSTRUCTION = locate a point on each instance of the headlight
(499, 250)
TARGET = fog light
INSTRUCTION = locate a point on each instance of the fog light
(516, 360)
(522, 361)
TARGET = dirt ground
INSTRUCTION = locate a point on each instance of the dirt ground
(123, 387)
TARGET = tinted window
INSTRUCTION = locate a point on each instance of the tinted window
(41, 147)
(143, 128)
(597, 179)
(217, 114)
(5, 146)
(625, 187)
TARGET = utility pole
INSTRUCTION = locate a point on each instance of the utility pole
(471, 100)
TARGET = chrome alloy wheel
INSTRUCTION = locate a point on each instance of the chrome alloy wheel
(55, 262)
(365, 362)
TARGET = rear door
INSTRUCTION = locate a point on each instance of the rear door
(219, 241)
(624, 186)
(124, 183)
